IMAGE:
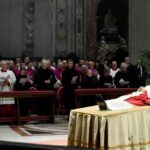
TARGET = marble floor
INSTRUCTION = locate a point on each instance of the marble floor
(36, 133)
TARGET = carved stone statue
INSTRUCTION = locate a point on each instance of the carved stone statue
(29, 25)
(102, 50)
(109, 25)
(109, 20)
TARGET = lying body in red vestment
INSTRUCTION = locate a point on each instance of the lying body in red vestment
(140, 100)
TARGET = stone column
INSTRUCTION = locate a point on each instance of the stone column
(139, 25)
(90, 26)
(11, 12)
(71, 26)
(43, 28)
(55, 23)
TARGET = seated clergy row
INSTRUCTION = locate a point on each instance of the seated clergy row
(48, 78)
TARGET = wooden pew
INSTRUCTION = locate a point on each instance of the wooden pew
(18, 95)
(113, 92)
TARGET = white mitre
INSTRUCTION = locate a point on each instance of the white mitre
(147, 88)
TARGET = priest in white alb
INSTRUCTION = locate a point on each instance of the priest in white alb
(7, 81)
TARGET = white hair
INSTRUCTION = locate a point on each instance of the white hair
(45, 61)
(4, 62)
(123, 65)
(84, 67)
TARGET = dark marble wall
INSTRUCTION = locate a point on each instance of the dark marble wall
(63, 26)
(47, 28)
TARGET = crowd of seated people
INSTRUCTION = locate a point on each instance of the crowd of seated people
(27, 74)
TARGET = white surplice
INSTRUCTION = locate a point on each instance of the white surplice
(10, 76)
